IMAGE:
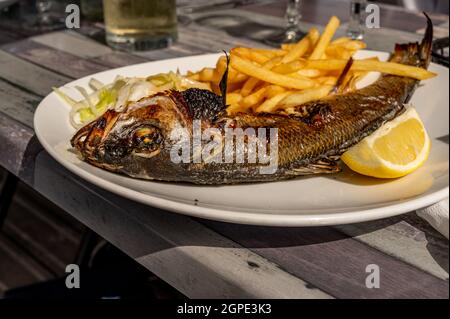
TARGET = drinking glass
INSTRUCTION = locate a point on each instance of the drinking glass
(292, 33)
(357, 17)
(140, 24)
(43, 15)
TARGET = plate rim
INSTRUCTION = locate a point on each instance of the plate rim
(233, 215)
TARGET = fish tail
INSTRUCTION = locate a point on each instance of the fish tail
(427, 43)
(416, 54)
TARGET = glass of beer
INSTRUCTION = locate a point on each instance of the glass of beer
(140, 24)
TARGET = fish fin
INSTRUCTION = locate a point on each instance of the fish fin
(343, 78)
(427, 43)
(224, 81)
(322, 166)
(414, 53)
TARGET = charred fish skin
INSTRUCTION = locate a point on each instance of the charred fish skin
(137, 141)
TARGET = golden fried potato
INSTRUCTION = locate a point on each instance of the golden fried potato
(265, 75)
(305, 96)
(325, 38)
(271, 104)
(373, 66)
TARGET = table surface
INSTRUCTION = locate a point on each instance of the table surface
(205, 259)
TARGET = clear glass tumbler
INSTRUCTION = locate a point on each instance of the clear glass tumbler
(357, 19)
(140, 24)
(292, 32)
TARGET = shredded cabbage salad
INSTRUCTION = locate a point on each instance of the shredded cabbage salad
(120, 93)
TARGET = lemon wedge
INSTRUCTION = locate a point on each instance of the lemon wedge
(394, 150)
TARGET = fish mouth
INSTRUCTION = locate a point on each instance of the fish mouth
(87, 139)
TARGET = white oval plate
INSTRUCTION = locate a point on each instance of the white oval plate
(311, 201)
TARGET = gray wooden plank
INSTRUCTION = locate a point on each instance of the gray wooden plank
(39, 238)
(27, 270)
(29, 76)
(189, 256)
(334, 262)
(214, 39)
(73, 43)
(6, 36)
(18, 104)
(14, 140)
(57, 61)
(163, 54)
(49, 214)
(118, 59)
(408, 238)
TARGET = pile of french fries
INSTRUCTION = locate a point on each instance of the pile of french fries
(277, 80)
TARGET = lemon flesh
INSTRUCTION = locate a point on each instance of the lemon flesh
(396, 149)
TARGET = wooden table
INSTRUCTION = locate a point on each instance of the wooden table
(205, 259)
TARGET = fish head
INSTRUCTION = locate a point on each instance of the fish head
(142, 131)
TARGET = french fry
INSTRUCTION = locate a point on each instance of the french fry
(233, 98)
(341, 40)
(273, 90)
(194, 76)
(215, 88)
(290, 67)
(207, 75)
(337, 51)
(327, 80)
(373, 66)
(326, 65)
(238, 78)
(251, 54)
(298, 50)
(288, 46)
(305, 96)
(234, 108)
(221, 65)
(346, 55)
(269, 76)
(314, 36)
(235, 76)
(234, 86)
(254, 98)
(251, 83)
(270, 105)
(258, 57)
(270, 53)
(354, 45)
(325, 39)
(268, 80)
(242, 52)
(309, 73)
(345, 50)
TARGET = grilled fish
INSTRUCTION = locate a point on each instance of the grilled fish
(140, 140)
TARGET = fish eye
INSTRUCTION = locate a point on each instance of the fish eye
(145, 135)
(147, 138)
